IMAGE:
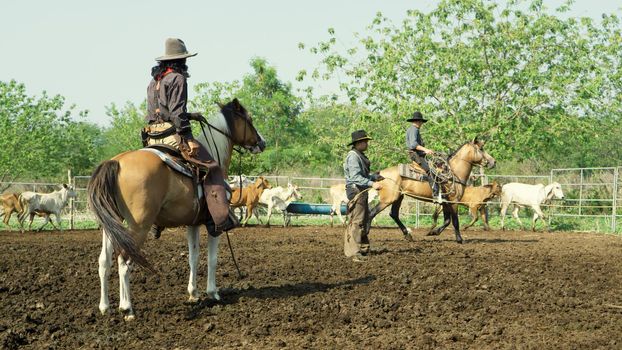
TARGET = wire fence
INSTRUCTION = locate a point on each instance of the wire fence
(592, 195)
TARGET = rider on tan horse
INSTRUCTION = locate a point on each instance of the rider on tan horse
(169, 124)
(417, 152)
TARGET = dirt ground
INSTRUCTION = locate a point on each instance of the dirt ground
(498, 290)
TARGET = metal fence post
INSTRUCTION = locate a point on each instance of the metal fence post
(417, 214)
(614, 205)
(71, 183)
(581, 193)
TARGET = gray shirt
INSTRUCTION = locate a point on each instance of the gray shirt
(413, 139)
(356, 172)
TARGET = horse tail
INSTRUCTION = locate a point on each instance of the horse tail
(102, 193)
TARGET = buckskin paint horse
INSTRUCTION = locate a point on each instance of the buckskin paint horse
(395, 187)
(137, 188)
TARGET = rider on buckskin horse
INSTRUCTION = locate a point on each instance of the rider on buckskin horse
(169, 124)
(417, 151)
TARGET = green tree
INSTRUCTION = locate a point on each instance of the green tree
(527, 79)
(40, 139)
(275, 111)
(124, 131)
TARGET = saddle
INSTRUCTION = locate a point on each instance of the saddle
(412, 171)
(174, 160)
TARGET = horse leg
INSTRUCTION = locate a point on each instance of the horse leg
(32, 217)
(105, 265)
(125, 301)
(455, 220)
(395, 215)
(446, 221)
(437, 210)
(192, 234)
(212, 259)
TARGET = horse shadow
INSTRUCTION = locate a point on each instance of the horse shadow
(232, 295)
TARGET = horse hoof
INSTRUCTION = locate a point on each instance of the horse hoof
(459, 241)
(128, 314)
(213, 296)
(409, 237)
(193, 299)
(103, 310)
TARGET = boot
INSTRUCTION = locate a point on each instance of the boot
(436, 193)
(217, 202)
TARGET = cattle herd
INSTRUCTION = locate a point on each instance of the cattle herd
(252, 195)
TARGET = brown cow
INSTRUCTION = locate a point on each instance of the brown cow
(249, 196)
(10, 204)
(475, 199)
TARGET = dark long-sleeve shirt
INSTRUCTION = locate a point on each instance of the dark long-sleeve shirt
(413, 139)
(171, 100)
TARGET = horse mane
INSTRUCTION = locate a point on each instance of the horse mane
(217, 144)
(456, 151)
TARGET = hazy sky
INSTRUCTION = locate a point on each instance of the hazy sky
(95, 53)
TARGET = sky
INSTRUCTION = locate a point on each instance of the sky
(95, 53)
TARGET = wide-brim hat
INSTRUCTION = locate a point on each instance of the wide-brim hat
(174, 49)
(417, 116)
(359, 135)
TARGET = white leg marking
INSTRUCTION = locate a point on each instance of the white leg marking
(192, 233)
(105, 266)
(212, 259)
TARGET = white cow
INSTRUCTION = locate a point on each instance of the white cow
(45, 204)
(279, 198)
(338, 195)
(528, 195)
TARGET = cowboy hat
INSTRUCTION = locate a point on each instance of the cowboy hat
(417, 116)
(359, 135)
(174, 49)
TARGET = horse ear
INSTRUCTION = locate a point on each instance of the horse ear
(220, 105)
(236, 103)
(64, 185)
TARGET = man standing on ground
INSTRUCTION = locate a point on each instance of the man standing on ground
(358, 180)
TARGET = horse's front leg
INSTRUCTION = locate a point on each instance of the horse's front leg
(455, 220)
(395, 215)
(437, 211)
(446, 221)
(192, 234)
(125, 301)
(212, 259)
(105, 266)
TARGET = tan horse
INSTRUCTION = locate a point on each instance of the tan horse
(137, 188)
(249, 196)
(394, 187)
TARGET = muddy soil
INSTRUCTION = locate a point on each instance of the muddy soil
(498, 290)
